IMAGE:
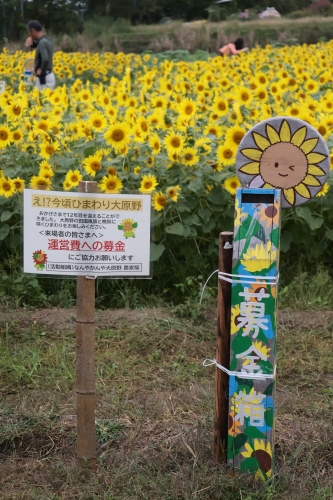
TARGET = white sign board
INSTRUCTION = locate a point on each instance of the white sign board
(86, 234)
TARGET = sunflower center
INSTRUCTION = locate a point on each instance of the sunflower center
(227, 153)
(245, 96)
(222, 106)
(283, 165)
(212, 131)
(3, 135)
(233, 185)
(118, 135)
(42, 182)
(264, 459)
(74, 178)
(128, 226)
(16, 136)
(6, 186)
(42, 126)
(112, 171)
(161, 200)
(171, 193)
(97, 123)
(188, 156)
(17, 110)
(237, 137)
(156, 146)
(271, 211)
(95, 165)
(49, 149)
(17, 184)
(144, 126)
(111, 185)
(322, 130)
(188, 109)
(175, 142)
(147, 184)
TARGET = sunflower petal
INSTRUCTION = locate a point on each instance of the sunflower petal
(252, 153)
(314, 170)
(289, 195)
(309, 145)
(268, 186)
(299, 136)
(316, 157)
(303, 190)
(260, 141)
(250, 168)
(311, 181)
(272, 134)
(285, 132)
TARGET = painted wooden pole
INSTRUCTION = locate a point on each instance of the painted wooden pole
(85, 366)
(223, 348)
(284, 162)
(253, 330)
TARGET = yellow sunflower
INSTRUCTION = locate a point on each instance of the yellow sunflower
(189, 157)
(47, 149)
(97, 121)
(174, 143)
(7, 187)
(173, 192)
(259, 257)
(92, 164)
(323, 191)
(231, 185)
(73, 177)
(187, 109)
(159, 201)
(148, 184)
(38, 182)
(118, 135)
(5, 136)
(110, 184)
(262, 451)
(19, 184)
(286, 161)
(226, 154)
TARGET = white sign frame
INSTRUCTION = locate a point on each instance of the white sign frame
(86, 234)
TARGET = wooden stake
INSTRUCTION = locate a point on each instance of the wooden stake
(85, 366)
(223, 348)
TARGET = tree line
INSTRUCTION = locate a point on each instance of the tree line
(68, 16)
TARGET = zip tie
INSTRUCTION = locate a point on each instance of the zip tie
(86, 190)
(90, 277)
(256, 376)
(246, 279)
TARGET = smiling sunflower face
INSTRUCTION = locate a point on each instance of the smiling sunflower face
(287, 154)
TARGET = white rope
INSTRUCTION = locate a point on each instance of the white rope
(248, 280)
(216, 271)
(257, 376)
(243, 279)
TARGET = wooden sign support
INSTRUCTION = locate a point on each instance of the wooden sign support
(85, 366)
(223, 348)
(253, 330)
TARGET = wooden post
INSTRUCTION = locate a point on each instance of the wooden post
(223, 348)
(85, 366)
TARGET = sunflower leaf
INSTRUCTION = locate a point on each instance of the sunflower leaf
(176, 228)
(156, 251)
(253, 432)
(6, 215)
(4, 231)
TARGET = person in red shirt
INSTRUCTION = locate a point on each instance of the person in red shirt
(233, 48)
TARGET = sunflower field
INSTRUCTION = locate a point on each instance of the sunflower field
(140, 123)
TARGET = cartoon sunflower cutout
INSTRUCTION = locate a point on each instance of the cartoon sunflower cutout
(128, 226)
(284, 153)
(40, 259)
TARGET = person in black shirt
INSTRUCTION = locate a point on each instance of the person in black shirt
(44, 55)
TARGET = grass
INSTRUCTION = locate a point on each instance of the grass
(155, 409)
